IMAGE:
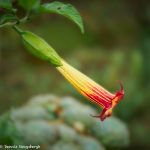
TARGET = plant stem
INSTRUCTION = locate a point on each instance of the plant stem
(8, 24)
(22, 20)
(17, 29)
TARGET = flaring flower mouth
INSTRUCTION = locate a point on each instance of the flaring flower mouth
(107, 111)
(91, 90)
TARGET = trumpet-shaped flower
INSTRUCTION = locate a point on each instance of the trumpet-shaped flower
(87, 87)
(91, 90)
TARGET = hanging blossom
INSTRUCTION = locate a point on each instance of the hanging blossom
(87, 87)
(91, 90)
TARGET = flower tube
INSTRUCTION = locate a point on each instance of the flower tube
(87, 87)
(91, 90)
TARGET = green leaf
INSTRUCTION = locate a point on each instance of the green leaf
(7, 18)
(39, 47)
(66, 10)
(29, 4)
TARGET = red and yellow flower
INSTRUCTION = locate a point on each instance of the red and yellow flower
(91, 90)
(87, 87)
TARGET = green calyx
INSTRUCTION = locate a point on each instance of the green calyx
(39, 47)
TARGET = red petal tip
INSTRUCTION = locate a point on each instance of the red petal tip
(104, 114)
(121, 91)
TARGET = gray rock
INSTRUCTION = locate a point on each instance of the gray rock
(112, 132)
(79, 114)
(43, 99)
(89, 143)
(37, 132)
(29, 112)
(66, 133)
(68, 101)
(60, 145)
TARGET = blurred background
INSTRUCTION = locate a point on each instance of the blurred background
(115, 46)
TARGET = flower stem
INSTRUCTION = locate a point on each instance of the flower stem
(17, 29)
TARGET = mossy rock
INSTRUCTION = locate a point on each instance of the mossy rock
(60, 145)
(28, 112)
(66, 133)
(65, 124)
(43, 99)
(89, 143)
(37, 132)
(81, 114)
(112, 132)
(68, 101)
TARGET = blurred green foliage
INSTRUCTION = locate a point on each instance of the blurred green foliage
(115, 46)
(8, 131)
(12, 13)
